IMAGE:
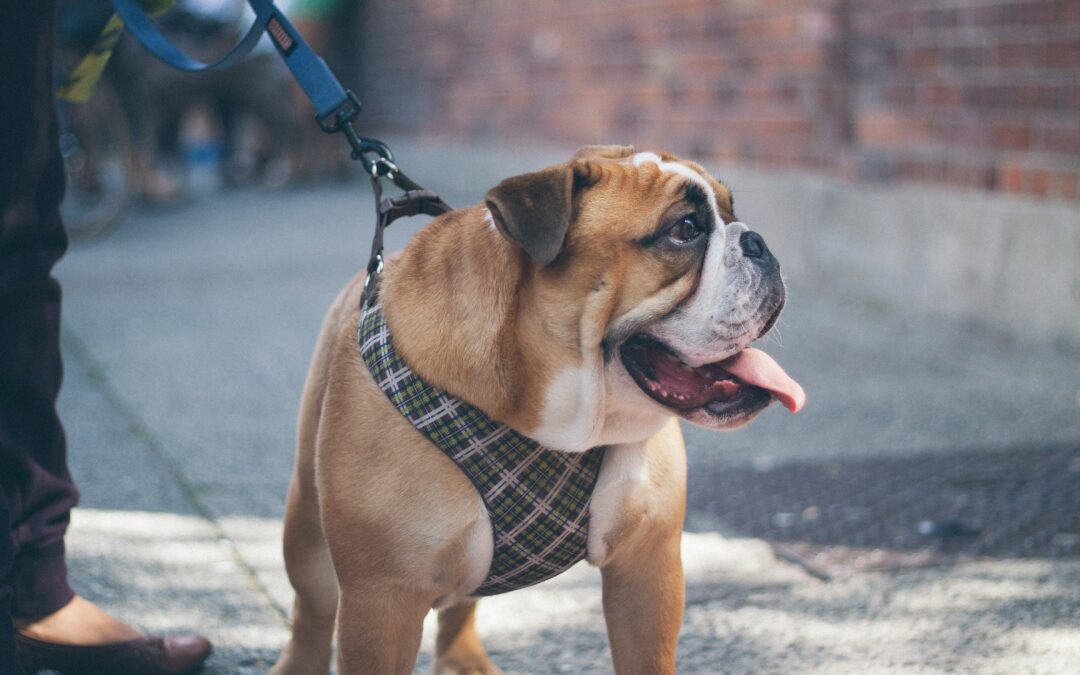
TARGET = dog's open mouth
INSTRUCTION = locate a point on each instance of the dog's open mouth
(672, 383)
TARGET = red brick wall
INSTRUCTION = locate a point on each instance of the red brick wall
(971, 93)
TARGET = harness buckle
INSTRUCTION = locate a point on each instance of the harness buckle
(374, 270)
(376, 265)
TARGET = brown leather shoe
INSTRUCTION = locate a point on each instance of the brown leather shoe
(145, 656)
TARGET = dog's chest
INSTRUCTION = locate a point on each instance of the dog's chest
(537, 500)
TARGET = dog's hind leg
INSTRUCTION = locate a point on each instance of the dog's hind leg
(380, 622)
(458, 650)
(311, 573)
(307, 557)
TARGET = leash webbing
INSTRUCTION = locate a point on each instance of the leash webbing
(335, 108)
(80, 82)
(311, 72)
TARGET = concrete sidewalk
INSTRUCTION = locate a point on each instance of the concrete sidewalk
(187, 335)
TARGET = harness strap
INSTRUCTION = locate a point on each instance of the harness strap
(537, 498)
(415, 200)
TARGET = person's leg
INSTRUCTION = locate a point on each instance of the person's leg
(35, 486)
(33, 457)
(9, 661)
(54, 625)
(33, 468)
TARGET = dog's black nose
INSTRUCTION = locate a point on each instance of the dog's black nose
(753, 246)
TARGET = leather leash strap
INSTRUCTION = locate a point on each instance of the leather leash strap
(414, 201)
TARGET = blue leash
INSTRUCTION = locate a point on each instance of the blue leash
(335, 106)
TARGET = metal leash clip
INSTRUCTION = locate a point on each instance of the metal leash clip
(372, 153)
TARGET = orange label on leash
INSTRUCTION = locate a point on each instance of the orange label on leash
(280, 36)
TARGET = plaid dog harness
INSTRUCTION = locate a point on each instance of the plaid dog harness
(537, 498)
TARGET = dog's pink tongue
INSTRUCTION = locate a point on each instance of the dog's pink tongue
(757, 368)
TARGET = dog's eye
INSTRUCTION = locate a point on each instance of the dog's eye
(687, 229)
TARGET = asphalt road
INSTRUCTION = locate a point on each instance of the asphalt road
(187, 334)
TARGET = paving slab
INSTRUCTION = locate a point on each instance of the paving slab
(746, 611)
(171, 573)
(141, 545)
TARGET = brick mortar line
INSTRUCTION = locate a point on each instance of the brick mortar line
(138, 428)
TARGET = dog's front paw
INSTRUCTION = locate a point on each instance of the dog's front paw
(466, 664)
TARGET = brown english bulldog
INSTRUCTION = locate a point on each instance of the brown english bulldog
(591, 304)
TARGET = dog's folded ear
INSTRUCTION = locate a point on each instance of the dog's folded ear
(534, 210)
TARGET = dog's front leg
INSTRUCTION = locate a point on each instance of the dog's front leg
(457, 648)
(643, 606)
(379, 628)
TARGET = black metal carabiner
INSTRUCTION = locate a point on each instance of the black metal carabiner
(382, 164)
(373, 154)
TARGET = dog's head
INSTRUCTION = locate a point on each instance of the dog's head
(653, 291)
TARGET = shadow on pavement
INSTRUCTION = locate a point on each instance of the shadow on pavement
(848, 516)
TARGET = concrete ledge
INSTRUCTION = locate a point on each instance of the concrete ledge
(1004, 263)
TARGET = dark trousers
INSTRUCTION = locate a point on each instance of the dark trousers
(35, 486)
